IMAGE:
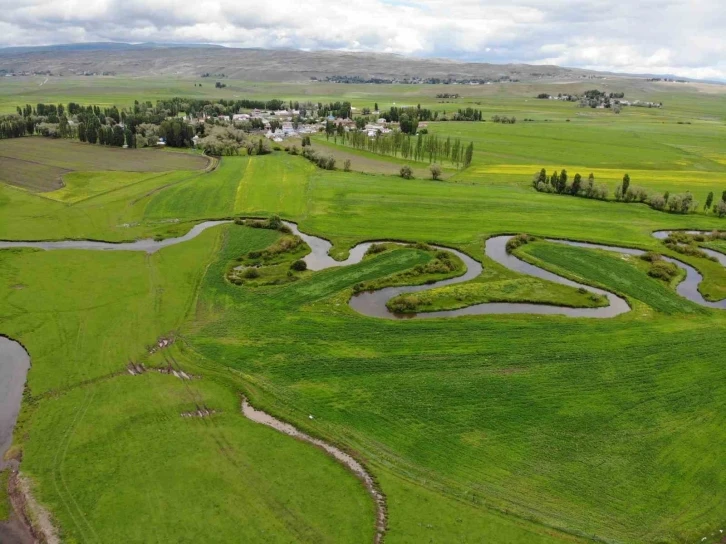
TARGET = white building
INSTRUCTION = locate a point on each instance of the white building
(287, 128)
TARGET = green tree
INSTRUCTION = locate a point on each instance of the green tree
(409, 124)
(117, 136)
(435, 171)
(454, 158)
(590, 185)
(576, 184)
(562, 181)
(626, 184)
(64, 128)
(469, 154)
(709, 201)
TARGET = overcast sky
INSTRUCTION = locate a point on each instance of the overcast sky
(683, 37)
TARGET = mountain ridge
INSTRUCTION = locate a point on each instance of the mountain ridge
(258, 64)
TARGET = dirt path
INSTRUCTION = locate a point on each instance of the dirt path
(258, 416)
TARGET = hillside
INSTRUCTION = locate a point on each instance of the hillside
(258, 64)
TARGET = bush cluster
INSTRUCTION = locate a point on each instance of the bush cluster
(273, 223)
(519, 240)
(402, 304)
(284, 244)
(376, 248)
(326, 163)
(299, 266)
(504, 119)
(685, 244)
(663, 270)
(558, 183)
(651, 256)
(251, 273)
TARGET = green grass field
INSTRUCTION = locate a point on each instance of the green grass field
(502, 429)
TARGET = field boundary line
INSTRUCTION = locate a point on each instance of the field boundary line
(83, 200)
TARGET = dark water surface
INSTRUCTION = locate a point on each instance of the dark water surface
(14, 365)
(148, 245)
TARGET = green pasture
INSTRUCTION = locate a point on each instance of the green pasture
(682, 102)
(472, 407)
(513, 429)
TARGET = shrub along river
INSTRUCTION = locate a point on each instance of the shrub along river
(374, 303)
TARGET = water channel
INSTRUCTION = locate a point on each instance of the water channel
(15, 361)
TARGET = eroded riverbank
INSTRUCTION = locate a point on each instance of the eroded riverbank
(347, 460)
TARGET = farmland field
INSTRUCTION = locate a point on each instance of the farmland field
(23, 166)
(491, 428)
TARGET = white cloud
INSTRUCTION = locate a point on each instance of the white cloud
(655, 36)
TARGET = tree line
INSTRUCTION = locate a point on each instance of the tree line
(14, 127)
(422, 147)
(683, 203)
(559, 183)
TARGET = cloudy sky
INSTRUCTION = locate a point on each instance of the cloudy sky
(683, 37)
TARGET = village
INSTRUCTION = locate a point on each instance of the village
(600, 100)
(277, 126)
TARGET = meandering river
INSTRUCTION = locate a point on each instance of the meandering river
(15, 361)
(148, 245)
(373, 304)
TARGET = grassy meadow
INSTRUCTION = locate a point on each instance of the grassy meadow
(503, 429)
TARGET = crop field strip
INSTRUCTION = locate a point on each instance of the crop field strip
(77, 156)
(506, 427)
(33, 176)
